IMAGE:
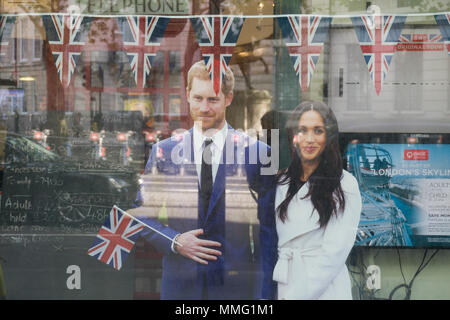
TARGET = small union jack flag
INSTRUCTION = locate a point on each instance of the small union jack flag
(116, 238)
(304, 37)
(217, 37)
(443, 21)
(6, 25)
(64, 34)
(142, 38)
(378, 37)
(420, 42)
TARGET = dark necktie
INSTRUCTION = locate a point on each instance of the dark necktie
(206, 180)
(212, 275)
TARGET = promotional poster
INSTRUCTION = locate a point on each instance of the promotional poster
(405, 192)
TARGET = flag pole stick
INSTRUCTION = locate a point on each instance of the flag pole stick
(158, 232)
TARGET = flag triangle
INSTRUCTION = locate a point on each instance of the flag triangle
(378, 37)
(304, 37)
(142, 37)
(217, 37)
(66, 35)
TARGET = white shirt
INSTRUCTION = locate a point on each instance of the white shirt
(218, 142)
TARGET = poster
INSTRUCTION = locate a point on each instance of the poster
(405, 190)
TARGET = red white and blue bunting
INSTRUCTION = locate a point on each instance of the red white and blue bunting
(217, 38)
(66, 35)
(379, 37)
(142, 38)
(304, 37)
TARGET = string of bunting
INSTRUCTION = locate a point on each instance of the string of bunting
(217, 35)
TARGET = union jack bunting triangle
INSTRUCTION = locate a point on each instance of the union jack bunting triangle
(65, 34)
(6, 26)
(304, 37)
(142, 36)
(443, 21)
(116, 238)
(217, 38)
(378, 37)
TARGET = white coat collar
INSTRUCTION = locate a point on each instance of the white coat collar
(301, 216)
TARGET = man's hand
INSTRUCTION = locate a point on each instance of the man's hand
(195, 248)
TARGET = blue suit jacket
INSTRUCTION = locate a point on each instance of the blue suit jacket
(249, 243)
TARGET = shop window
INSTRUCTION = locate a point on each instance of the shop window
(37, 49)
(75, 148)
(174, 69)
(356, 81)
(156, 77)
(24, 41)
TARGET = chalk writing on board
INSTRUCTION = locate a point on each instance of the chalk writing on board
(22, 203)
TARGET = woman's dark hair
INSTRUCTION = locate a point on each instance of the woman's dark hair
(325, 189)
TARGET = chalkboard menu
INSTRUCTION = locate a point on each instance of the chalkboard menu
(60, 197)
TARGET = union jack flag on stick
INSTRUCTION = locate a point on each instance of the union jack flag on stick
(443, 21)
(117, 237)
(217, 37)
(304, 37)
(378, 37)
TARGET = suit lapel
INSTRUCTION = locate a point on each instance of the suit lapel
(302, 217)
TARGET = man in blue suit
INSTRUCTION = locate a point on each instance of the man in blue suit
(224, 245)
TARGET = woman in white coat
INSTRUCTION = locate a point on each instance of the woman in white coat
(318, 206)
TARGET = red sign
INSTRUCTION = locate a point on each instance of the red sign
(415, 154)
(421, 37)
(419, 46)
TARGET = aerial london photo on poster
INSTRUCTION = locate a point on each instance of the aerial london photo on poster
(405, 191)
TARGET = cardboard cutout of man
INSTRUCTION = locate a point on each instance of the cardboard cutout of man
(224, 226)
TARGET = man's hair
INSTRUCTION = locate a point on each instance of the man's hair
(198, 70)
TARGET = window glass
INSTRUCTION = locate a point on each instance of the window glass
(100, 115)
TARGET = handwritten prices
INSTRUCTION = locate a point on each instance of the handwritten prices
(54, 200)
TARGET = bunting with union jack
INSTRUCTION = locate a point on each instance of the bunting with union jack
(66, 35)
(6, 26)
(116, 238)
(217, 38)
(142, 36)
(304, 37)
(443, 21)
(378, 37)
